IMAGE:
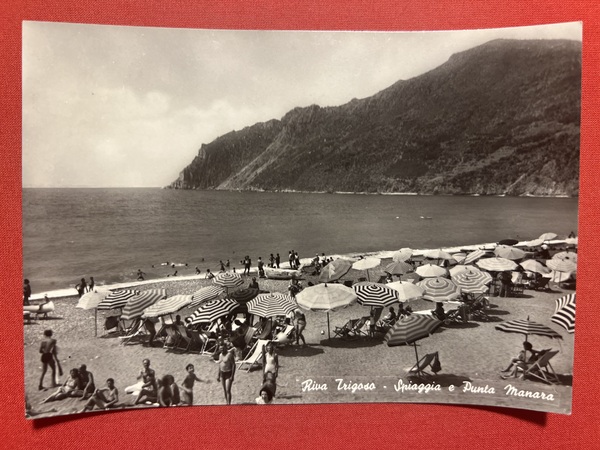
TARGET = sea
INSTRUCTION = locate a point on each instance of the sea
(111, 233)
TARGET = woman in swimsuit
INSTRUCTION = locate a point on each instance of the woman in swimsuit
(226, 371)
(72, 387)
(300, 326)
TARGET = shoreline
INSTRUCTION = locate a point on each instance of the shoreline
(382, 254)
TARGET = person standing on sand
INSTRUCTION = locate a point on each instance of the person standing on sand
(226, 371)
(140, 275)
(91, 285)
(81, 287)
(187, 386)
(26, 292)
(300, 326)
(296, 260)
(277, 260)
(261, 268)
(48, 351)
(291, 259)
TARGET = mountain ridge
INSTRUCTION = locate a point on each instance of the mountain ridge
(498, 119)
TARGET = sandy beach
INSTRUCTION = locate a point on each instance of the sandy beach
(471, 356)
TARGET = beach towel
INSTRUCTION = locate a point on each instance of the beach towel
(134, 389)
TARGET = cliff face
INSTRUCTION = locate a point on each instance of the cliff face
(502, 118)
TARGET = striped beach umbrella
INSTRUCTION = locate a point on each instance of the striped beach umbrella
(375, 294)
(402, 255)
(271, 305)
(509, 252)
(212, 310)
(459, 257)
(430, 271)
(167, 306)
(206, 294)
(474, 256)
(528, 327)
(335, 270)
(326, 297)
(406, 291)
(398, 268)
(564, 313)
(472, 282)
(410, 329)
(116, 299)
(91, 300)
(228, 280)
(243, 295)
(531, 265)
(439, 289)
(136, 305)
(566, 256)
(496, 264)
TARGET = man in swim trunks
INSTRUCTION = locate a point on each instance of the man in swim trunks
(48, 351)
(87, 380)
(149, 388)
(226, 370)
(103, 398)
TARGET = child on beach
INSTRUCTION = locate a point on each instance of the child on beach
(187, 386)
(168, 392)
(103, 398)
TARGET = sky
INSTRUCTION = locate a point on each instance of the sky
(107, 106)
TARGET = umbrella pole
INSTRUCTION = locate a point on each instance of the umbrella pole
(368, 278)
(328, 332)
(417, 356)
(95, 322)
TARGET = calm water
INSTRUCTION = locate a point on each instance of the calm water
(110, 233)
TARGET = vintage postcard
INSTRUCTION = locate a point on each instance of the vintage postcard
(215, 217)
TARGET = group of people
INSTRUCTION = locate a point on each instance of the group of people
(82, 287)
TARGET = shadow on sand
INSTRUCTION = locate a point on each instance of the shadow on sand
(300, 351)
(359, 342)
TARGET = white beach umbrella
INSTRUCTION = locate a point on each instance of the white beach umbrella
(566, 256)
(438, 254)
(91, 300)
(509, 252)
(406, 291)
(366, 264)
(547, 236)
(430, 271)
(402, 255)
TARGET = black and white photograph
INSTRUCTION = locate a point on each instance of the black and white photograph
(239, 217)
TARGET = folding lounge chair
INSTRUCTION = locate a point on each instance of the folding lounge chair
(137, 329)
(542, 284)
(422, 364)
(265, 333)
(173, 337)
(111, 324)
(361, 327)
(542, 369)
(253, 356)
(345, 330)
(207, 345)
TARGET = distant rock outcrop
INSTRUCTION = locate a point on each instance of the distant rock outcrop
(501, 118)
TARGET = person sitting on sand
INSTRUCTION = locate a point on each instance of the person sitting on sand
(87, 379)
(72, 387)
(187, 386)
(525, 357)
(439, 312)
(168, 392)
(253, 284)
(149, 389)
(140, 275)
(104, 398)
(209, 275)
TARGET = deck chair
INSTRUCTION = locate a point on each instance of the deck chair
(422, 364)
(173, 337)
(111, 324)
(253, 356)
(345, 330)
(136, 330)
(265, 333)
(361, 327)
(285, 336)
(207, 345)
(542, 369)
(542, 284)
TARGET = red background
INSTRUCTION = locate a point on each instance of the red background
(318, 426)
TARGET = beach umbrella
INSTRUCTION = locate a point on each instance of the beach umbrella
(326, 297)
(459, 257)
(472, 281)
(571, 241)
(366, 264)
(136, 305)
(375, 294)
(212, 310)
(566, 256)
(410, 329)
(508, 252)
(402, 255)
(168, 305)
(430, 271)
(398, 268)
(335, 270)
(531, 265)
(461, 268)
(116, 299)
(406, 291)
(547, 236)
(474, 256)
(205, 294)
(243, 295)
(437, 254)
(271, 305)
(439, 289)
(91, 300)
(561, 265)
(228, 280)
(533, 243)
(564, 312)
(496, 264)
(528, 327)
